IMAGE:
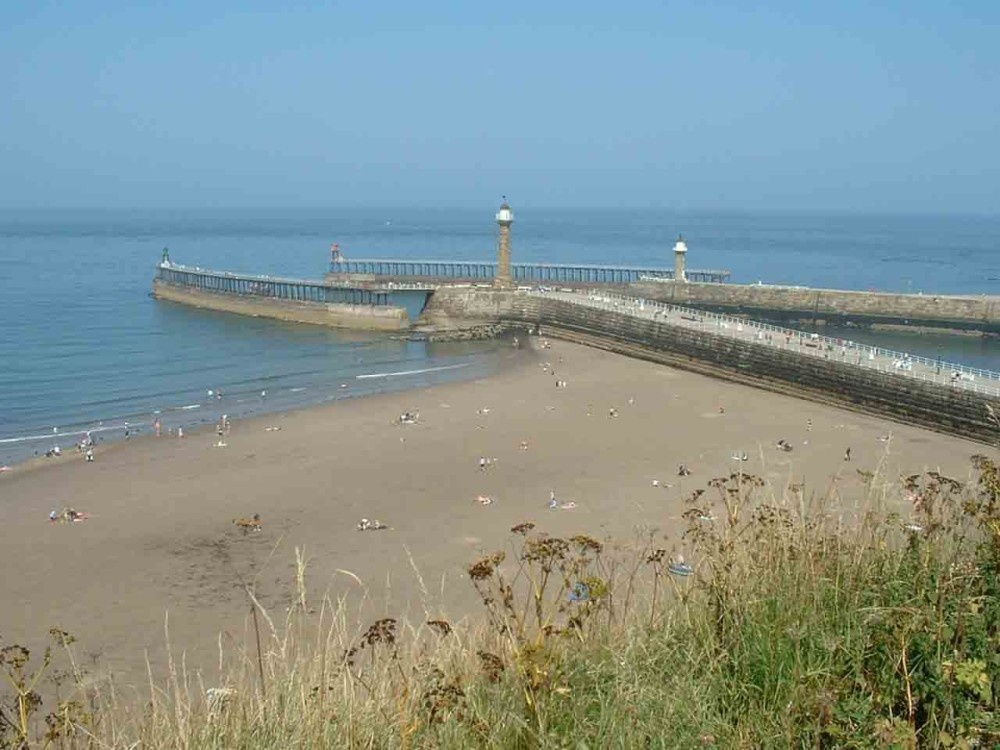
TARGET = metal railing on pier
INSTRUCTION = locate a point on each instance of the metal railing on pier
(546, 273)
(268, 287)
(985, 382)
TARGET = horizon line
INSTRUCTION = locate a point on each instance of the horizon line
(465, 207)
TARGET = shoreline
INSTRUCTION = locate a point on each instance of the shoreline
(482, 363)
(160, 537)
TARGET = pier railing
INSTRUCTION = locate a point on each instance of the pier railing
(525, 273)
(951, 374)
(272, 287)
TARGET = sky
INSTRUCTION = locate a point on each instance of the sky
(748, 106)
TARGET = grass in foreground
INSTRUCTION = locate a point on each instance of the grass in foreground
(783, 627)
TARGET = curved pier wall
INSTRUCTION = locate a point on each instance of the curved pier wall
(789, 304)
(938, 407)
(364, 317)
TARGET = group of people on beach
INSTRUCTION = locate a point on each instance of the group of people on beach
(86, 445)
(67, 515)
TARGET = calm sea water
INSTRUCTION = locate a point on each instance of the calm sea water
(83, 346)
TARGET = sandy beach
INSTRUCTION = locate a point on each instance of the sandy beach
(160, 536)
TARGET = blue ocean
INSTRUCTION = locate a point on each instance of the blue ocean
(84, 347)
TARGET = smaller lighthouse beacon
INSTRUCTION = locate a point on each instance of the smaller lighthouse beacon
(505, 217)
(680, 250)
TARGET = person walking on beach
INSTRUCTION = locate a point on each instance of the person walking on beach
(90, 455)
(847, 455)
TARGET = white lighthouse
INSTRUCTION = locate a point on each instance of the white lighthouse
(505, 217)
(680, 250)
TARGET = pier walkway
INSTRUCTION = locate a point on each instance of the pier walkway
(445, 272)
(275, 287)
(958, 376)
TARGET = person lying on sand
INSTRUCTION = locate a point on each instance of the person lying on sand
(555, 504)
(365, 525)
(69, 515)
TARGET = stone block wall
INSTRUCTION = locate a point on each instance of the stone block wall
(363, 317)
(458, 307)
(800, 303)
(943, 408)
(451, 311)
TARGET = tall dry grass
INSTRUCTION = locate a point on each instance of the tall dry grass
(785, 624)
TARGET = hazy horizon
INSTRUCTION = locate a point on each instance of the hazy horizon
(844, 109)
(487, 208)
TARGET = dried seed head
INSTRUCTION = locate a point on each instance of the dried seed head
(492, 665)
(483, 568)
(441, 626)
(381, 631)
(586, 543)
(545, 550)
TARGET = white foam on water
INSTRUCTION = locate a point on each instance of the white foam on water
(409, 372)
(53, 436)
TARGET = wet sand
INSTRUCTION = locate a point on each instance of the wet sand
(160, 535)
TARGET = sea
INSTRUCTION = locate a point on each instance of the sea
(84, 347)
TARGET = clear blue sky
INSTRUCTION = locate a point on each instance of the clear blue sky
(692, 105)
